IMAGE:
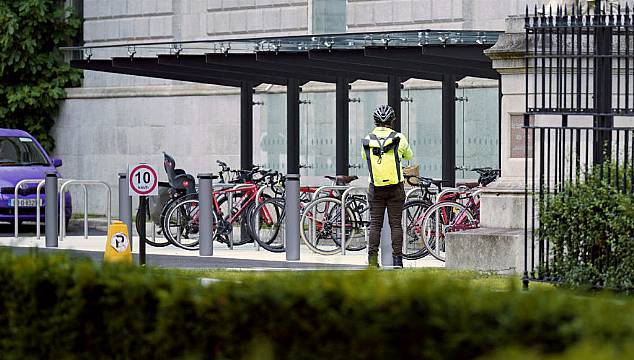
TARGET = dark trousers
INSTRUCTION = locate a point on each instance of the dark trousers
(392, 198)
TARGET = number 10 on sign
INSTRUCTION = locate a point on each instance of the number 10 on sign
(143, 180)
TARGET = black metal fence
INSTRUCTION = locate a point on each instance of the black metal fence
(579, 96)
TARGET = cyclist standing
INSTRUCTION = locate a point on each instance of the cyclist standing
(383, 149)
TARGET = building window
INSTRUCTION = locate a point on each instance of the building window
(329, 16)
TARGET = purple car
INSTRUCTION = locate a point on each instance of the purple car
(22, 157)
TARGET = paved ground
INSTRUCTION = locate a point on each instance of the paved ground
(241, 257)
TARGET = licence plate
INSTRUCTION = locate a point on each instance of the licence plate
(24, 202)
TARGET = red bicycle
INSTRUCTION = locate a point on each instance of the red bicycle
(230, 206)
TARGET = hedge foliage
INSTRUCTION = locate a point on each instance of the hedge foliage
(54, 308)
(32, 72)
(590, 226)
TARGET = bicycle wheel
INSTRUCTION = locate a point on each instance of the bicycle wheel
(182, 223)
(269, 227)
(439, 220)
(413, 247)
(320, 226)
(159, 242)
(359, 223)
(245, 227)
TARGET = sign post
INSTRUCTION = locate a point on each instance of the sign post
(143, 183)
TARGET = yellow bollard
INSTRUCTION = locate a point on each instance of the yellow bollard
(118, 243)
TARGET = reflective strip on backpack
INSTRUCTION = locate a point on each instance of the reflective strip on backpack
(366, 147)
(397, 159)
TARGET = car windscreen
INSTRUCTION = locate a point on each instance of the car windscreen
(20, 151)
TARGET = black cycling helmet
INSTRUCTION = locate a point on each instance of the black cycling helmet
(384, 115)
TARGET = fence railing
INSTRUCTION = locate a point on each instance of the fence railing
(561, 157)
(579, 67)
(580, 63)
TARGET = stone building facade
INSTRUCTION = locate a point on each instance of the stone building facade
(113, 120)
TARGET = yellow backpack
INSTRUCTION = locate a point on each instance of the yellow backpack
(383, 160)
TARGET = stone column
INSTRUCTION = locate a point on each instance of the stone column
(498, 245)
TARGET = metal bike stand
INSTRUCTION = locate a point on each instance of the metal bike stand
(327, 187)
(411, 192)
(237, 187)
(62, 217)
(258, 201)
(38, 193)
(343, 214)
(15, 200)
(314, 196)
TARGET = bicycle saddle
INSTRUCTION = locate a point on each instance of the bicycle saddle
(342, 180)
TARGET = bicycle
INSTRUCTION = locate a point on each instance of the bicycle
(413, 211)
(320, 224)
(459, 211)
(181, 222)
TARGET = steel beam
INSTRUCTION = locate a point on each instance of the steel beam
(357, 58)
(351, 71)
(106, 66)
(248, 62)
(342, 126)
(466, 60)
(198, 64)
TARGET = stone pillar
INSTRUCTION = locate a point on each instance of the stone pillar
(498, 245)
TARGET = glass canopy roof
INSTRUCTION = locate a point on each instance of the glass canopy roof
(345, 41)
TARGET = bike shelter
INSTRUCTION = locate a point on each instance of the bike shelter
(340, 59)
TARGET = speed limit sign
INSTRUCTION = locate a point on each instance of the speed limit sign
(143, 180)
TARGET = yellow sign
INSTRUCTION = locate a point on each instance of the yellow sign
(118, 243)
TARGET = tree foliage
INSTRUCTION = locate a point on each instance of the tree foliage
(32, 72)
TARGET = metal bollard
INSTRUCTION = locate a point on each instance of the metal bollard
(292, 217)
(386, 242)
(205, 193)
(50, 210)
(125, 204)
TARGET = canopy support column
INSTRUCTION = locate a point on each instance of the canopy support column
(342, 126)
(246, 125)
(449, 129)
(394, 98)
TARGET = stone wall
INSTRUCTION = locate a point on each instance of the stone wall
(115, 119)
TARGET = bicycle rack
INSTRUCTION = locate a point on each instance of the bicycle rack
(60, 183)
(38, 210)
(258, 200)
(343, 215)
(62, 215)
(315, 196)
(230, 201)
(15, 200)
(327, 187)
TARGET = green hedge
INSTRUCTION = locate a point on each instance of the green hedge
(590, 226)
(52, 307)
